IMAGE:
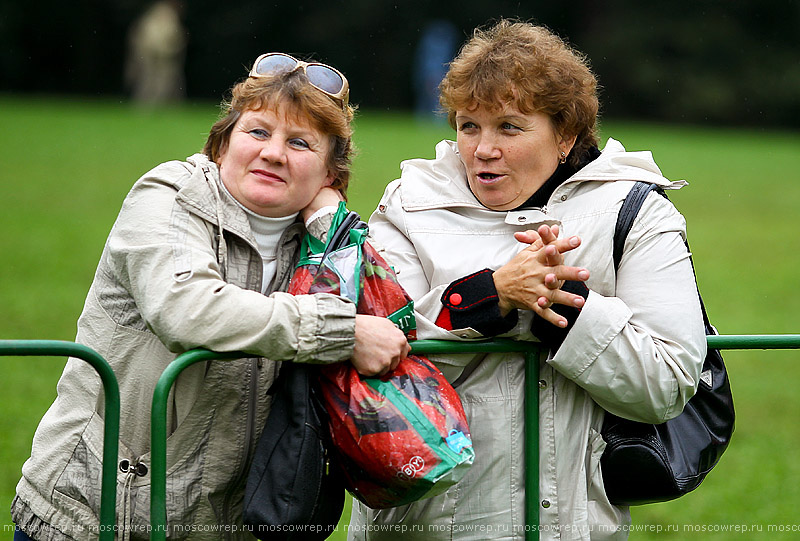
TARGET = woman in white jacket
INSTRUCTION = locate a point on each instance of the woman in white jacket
(508, 231)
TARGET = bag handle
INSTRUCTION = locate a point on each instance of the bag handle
(627, 214)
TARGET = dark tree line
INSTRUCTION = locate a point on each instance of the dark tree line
(702, 61)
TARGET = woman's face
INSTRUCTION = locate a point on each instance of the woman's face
(274, 162)
(508, 155)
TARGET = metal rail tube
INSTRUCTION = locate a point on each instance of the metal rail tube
(430, 347)
(58, 348)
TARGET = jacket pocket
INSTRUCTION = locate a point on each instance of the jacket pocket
(78, 488)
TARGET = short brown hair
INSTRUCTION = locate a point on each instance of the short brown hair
(532, 68)
(329, 116)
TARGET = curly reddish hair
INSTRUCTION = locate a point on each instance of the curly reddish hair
(528, 66)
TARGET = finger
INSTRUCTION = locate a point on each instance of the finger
(567, 244)
(552, 257)
(552, 317)
(546, 233)
(529, 237)
(563, 272)
(567, 299)
(396, 361)
(551, 281)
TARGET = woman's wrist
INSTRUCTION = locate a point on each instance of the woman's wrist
(472, 302)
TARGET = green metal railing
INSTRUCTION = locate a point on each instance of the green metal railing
(57, 348)
(158, 515)
(158, 449)
(754, 341)
(428, 347)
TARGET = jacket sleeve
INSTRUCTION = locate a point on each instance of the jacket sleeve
(639, 354)
(164, 257)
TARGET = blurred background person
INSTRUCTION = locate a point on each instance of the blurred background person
(437, 46)
(156, 53)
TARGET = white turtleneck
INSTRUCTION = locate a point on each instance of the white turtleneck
(267, 232)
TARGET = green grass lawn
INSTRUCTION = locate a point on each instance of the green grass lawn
(67, 164)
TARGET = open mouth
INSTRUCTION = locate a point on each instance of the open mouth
(488, 177)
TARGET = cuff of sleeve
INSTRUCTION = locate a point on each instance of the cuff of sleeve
(551, 335)
(471, 302)
(603, 319)
(329, 336)
(319, 222)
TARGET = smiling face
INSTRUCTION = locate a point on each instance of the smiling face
(274, 163)
(508, 154)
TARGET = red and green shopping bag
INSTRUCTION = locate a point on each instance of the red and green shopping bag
(400, 437)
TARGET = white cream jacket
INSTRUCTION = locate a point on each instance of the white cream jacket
(167, 283)
(636, 349)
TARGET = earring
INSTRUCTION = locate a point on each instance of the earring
(563, 157)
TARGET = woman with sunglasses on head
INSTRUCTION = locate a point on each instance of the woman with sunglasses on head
(508, 232)
(198, 257)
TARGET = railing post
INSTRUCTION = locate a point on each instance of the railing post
(160, 396)
(58, 348)
(531, 352)
(158, 419)
(531, 445)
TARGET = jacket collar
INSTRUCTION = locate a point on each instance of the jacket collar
(442, 183)
(203, 195)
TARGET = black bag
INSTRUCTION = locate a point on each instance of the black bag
(294, 488)
(644, 463)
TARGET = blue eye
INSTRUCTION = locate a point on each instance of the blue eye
(259, 133)
(300, 143)
(509, 126)
(467, 126)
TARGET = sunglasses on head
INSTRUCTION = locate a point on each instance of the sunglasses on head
(321, 76)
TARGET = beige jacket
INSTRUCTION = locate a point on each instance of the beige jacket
(166, 284)
(636, 349)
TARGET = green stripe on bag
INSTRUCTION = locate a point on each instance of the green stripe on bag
(448, 458)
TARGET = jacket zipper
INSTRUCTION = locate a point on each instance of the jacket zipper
(248, 444)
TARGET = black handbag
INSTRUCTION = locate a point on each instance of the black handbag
(295, 489)
(645, 463)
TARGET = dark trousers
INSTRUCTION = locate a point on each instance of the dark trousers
(19, 535)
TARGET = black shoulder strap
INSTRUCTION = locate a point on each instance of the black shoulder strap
(627, 214)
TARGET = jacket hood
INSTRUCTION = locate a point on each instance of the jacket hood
(441, 182)
(203, 194)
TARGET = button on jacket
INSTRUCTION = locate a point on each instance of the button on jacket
(636, 348)
(166, 283)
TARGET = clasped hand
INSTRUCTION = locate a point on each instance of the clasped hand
(532, 280)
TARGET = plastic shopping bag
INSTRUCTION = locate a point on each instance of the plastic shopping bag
(401, 437)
